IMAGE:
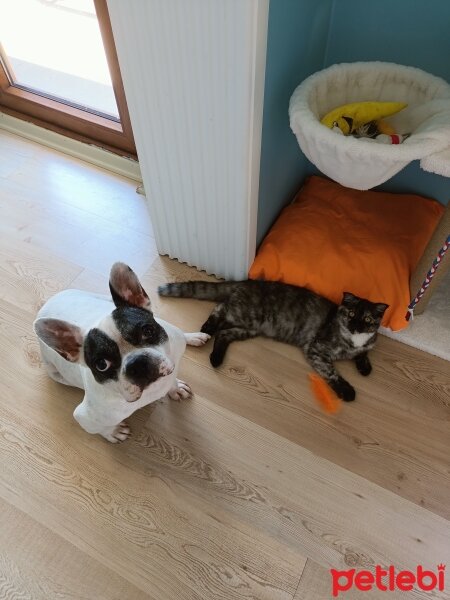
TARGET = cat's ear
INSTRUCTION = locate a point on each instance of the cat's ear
(380, 308)
(349, 299)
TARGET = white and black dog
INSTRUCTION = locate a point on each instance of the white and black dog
(115, 350)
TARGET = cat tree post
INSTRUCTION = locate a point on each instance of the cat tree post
(431, 251)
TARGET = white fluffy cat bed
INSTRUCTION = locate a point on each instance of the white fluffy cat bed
(361, 163)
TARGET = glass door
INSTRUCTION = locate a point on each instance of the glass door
(59, 67)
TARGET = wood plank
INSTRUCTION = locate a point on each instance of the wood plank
(36, 564)
(322, 510)
(224, 496)
(384, 436)
(137, 523)
(246, 470)
(78, 240)
(138, 526)
(395, 434)
(29, 275)
(64, 186)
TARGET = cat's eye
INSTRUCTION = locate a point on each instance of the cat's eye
(351, 313)
(102, 365)
(368, 320)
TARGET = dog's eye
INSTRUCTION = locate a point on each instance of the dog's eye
(147, 330)
(351, 313)
(102, 365)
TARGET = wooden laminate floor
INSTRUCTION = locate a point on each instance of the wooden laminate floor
(246, 491)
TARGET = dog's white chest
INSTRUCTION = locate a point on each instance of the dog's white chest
(360, 339)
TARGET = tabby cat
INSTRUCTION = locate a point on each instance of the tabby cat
(324, 330)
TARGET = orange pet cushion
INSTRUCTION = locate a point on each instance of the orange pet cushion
(333, 239)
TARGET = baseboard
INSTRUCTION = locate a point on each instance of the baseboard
(89, 153)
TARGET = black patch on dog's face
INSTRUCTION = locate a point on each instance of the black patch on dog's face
(100, 351)
(138, 327)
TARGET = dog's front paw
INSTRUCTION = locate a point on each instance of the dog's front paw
(182, 391)
(196, 339)
(118, 434)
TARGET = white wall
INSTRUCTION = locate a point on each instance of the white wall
(193, 72)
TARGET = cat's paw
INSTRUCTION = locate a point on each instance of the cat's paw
(209, 327)
(216, 358)
(363, 365)
(181, 391)
(344, 390)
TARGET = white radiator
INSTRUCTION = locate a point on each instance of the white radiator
(193, 73)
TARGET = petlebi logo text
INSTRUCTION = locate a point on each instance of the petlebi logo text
(387, 580)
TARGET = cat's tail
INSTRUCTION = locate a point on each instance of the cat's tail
(202, 290)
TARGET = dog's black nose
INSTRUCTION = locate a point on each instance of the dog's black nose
(141, 370)
(137, 364)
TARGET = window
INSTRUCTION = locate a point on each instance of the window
(59, 69)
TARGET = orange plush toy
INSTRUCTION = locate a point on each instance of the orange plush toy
(324, 395)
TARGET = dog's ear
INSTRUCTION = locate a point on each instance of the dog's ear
(66, 339)
(126, 289)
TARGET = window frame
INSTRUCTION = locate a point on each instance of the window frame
(68, 120)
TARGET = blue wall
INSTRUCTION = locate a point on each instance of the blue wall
(307, 35)
(408, 32)
(296, 45)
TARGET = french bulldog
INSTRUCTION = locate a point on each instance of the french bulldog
(115, 350)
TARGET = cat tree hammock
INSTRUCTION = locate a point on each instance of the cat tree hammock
(360, 163)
